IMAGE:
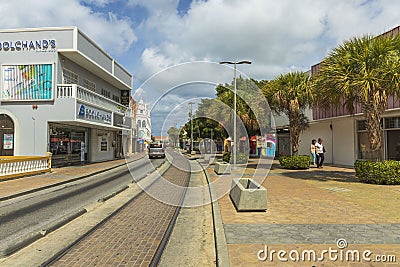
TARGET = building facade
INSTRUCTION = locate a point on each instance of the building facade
(143, 122)
(62, 93)
(345, 135)
(134, 105)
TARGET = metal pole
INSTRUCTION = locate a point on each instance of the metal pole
(234, 103)
(34, 136)
(211, 143)
(234, 117)
(191, 126)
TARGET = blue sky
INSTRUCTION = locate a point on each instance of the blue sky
(149, 36)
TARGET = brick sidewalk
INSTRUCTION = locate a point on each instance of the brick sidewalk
(9, 188)
(312, 209)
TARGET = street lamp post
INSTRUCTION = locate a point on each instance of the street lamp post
(191, 126)
(234, 63)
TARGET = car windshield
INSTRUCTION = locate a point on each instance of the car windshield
(155, 145)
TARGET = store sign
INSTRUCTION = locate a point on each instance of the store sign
(125, 97)
(21, 45)
(8, 141)
(89, 113)
(27, 82)
(103, 143)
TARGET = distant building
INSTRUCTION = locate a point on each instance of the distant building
(161, 139)
(143, 123)
(62, 93)
(134, 105)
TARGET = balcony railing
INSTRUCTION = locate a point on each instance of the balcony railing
(79, 92)
(15, 166)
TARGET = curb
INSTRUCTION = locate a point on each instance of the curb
(221, 248)
(30, 191)
(107, 197)
(29, 238)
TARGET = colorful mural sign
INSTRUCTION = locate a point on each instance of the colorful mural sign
(27, 82)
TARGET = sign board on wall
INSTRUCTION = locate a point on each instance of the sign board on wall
(8, 141)
(90, 113)
(125, 97)
(44, 45)
(27, 82)
(103, 143)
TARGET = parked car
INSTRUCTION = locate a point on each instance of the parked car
(156, 150)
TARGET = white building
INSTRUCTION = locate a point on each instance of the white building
(143, 122)
(345, 136)
(62, 93)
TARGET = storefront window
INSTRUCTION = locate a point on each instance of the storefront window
(67, 144)
(393, 144)
(6, 135)
(364, 147)
(392, 122)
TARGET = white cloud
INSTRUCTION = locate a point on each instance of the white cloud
(112, 33)
(275, 35)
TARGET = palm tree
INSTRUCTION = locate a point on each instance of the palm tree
(362, 71)
(291, 94)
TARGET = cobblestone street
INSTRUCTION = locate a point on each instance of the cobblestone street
(132, 236)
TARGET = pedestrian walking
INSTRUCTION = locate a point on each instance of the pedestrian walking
(313, 151)
(321, 150)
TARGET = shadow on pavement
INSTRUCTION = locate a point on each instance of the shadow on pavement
(323, 175)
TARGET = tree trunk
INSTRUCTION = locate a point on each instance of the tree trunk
(294, 133)
(294, 141)
(372, 112)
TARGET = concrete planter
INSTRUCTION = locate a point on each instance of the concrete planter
(247, 195)
(212, 161)
(222, 168)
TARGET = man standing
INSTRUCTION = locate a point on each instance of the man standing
(321, 151)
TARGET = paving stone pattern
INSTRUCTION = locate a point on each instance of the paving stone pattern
(312, 209)
(312, 233)
(132, 236)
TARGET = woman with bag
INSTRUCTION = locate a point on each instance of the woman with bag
(313, 151)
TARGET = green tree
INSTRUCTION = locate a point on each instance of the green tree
(210, 117)
(247, 92)
(173, 135)
(291, 94)
(362, 71)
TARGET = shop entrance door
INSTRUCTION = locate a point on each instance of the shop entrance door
(7, 135)
(68, 147)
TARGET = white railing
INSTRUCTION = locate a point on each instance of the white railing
(66, 91)
(79, 92)
(15, 166)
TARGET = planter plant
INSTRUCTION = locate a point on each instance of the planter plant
(386, 172)
(295, 162)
